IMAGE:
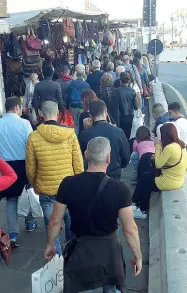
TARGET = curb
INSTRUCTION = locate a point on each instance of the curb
(167, 233)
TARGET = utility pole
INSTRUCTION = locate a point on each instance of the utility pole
(163, 32)
(150, 20)
(172, 28)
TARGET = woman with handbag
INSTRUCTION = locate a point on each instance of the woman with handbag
(171, 158)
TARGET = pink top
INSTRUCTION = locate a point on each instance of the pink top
(143, 147)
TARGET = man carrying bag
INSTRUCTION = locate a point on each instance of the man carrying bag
(95, 202)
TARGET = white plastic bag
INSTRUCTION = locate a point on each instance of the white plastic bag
(29, 202)
(50, 278)
(23, 204)
(137, 122)
(35, 206)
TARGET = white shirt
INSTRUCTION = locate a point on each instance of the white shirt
(181, 124)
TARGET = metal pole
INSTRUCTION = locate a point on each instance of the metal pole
(155, 63)
(163, 32)
(172, 20)
(150, 20)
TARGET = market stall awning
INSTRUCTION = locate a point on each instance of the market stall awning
(19, 21)
(19, 18)
(59, 12)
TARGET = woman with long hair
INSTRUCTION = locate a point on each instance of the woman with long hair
(107, 89)
(87, 97)
(171, 158)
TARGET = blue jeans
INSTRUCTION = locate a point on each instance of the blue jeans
(46, 203)
(12, 217)
(106, 289)
(135, 159)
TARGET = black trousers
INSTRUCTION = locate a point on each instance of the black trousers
(126, 125)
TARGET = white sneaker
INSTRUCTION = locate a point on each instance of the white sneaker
(134, 208)
(139, 215)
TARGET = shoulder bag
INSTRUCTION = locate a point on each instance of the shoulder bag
(5, 247)
(70, 245)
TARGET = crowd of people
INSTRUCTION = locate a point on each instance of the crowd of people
(73, 159)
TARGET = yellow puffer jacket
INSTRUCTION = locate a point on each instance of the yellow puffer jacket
(53, 153)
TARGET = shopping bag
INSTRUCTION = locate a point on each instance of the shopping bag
(35, 206)
(137, 122)
(23, 204)
(50, 278)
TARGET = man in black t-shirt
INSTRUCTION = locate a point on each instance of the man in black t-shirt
(96, 261)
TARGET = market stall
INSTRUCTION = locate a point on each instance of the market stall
(52, 37)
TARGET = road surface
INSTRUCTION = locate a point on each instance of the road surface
(174, 78)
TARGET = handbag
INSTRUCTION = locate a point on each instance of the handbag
(70, 245)
(33, 42)
(5, 247)
(28, 51)
(32, 59)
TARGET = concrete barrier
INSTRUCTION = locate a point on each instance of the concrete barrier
(167, 234)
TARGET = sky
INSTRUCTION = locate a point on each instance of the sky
(117, 9)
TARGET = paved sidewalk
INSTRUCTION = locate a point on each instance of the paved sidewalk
(16, 278)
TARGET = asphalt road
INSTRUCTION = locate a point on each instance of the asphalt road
(174, 74)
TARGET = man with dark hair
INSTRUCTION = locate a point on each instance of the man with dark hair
(174, 110)
(138, 55)
(47, 88)
(120, 152)
(14, 133)
(64, 81)
(123, 104)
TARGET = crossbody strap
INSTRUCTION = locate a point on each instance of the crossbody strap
(93, 204)
(168, 167)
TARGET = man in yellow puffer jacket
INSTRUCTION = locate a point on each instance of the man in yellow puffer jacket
(53, 153)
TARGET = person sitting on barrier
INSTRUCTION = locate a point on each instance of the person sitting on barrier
(180, 121)
(143, 144)
(160, 116)
(171, 158)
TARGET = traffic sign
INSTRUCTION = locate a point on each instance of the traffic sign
(155, 47)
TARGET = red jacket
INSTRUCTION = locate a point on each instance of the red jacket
(8, 176)
(68, 119)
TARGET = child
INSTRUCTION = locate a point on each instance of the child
(143, 144)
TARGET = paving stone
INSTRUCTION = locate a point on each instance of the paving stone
(16, 278)
(13, 281)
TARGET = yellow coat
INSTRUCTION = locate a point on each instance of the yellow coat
(172, 178)
(53, 153)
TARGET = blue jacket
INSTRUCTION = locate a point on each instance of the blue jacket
(75, 90)
(94, 80)
(162, 120)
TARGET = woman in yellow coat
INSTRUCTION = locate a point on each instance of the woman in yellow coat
(171, 158)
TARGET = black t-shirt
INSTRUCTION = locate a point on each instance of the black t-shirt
(78, 193)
